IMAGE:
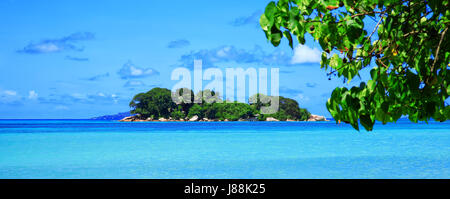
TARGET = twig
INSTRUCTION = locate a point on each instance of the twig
(376, 27)
(438, 49)
(411, 33)
(344, 20)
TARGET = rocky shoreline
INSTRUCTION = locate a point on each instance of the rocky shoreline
(136, 118)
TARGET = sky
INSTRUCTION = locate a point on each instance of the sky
(81, 59)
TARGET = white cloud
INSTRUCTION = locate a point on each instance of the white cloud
(10, 93)
(224, 51)
(9, 97)
(78, 96)
(178, 43)
(129, 70)
(302, 98)
(304, 54)
(134, 83)
(58, 45)
(48, 48)
(115, 98)
(32, 95)
(248, 20)
(61, 107)
(223, 54)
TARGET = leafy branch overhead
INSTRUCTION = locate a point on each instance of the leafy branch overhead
(407, 49)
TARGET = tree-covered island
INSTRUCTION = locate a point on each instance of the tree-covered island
(158, 104)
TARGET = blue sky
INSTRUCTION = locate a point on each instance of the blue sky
(80, 59)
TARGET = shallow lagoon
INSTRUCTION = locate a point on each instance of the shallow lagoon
(107, 149)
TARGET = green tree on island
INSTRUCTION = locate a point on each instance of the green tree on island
(288, 108)
(158, 103)
(155, 103)
(408, 50)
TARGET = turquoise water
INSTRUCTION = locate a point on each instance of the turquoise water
(107, 149)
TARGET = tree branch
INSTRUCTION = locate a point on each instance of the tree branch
(376, 27)
(438, 49)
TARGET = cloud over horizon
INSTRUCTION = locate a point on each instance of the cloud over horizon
(32, 95)
(289, 92)
(98, 77)
(10, 97)
(253, 20)
(178, 43)
(79, 98)
(58, 45)
(305, 54)
(311, 84)
(134, 83)
(229, 53)
(130, 71)
(77, 58)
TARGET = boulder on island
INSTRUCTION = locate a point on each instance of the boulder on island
(271, 119)
(163, 119)
(194, 118)
(128, 119)
(316, 118)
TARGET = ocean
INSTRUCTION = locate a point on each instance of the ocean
(267, 150)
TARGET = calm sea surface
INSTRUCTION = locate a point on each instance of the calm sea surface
(107, 149)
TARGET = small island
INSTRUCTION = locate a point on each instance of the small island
(158, 104)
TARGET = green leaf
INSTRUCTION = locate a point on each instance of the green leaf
(264, 22)
(287, 34)
(403, 81)
(270, 11)
(275, 36)
(371, 85)
(335, 61)
(367, 122)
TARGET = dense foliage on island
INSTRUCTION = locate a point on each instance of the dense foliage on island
(158, 103)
